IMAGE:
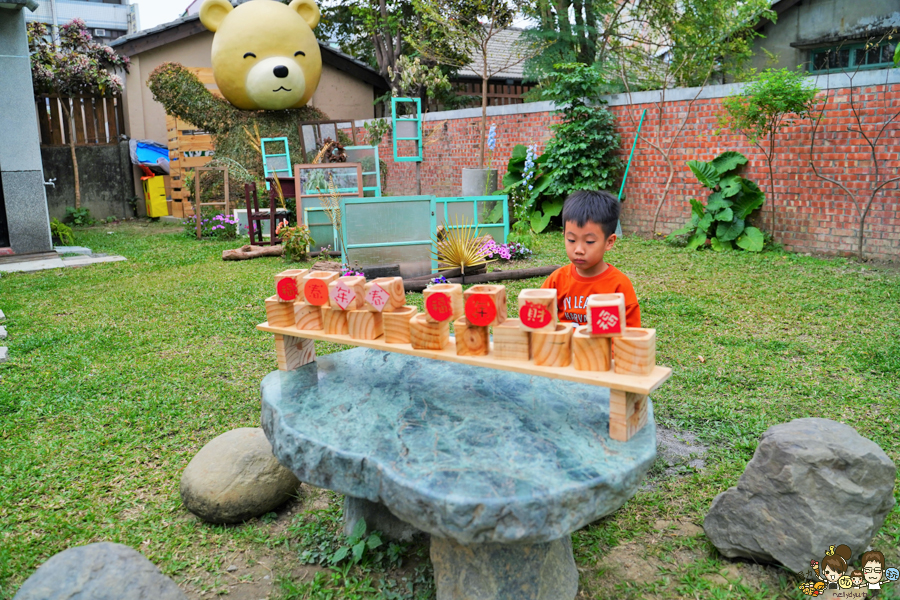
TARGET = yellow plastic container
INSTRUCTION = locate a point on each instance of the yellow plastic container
(155, 196)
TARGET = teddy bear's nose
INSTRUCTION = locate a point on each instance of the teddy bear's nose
(280, 71)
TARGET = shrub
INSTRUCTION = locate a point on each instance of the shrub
(79, 216)
(62, 232)
(295, 241)
(219, 227)
(510, 251)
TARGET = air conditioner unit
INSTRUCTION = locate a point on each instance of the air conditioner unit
(99, 33)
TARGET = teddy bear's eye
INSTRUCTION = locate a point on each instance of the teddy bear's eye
(249, 54)
(299, 53)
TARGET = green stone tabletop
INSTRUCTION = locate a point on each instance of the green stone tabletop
(467, 453)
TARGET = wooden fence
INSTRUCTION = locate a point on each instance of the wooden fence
(98, 121)
(498, 94)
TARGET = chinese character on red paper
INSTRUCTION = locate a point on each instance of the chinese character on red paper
(480, 310)
(287, 288)
(535, 315)
(377, 297)
(438, 306)
(316, 292)
(604, 320)
(342, 295)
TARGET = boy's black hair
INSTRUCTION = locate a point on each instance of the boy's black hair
(601, 208)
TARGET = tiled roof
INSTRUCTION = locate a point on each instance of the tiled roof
(502, 51)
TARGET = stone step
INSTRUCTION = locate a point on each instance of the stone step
(2, 332)
(4, 353)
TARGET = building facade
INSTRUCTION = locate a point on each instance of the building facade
(106, 19)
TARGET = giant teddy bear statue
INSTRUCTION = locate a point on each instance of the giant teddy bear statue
(264, 54)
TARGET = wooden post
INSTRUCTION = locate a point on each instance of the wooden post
(334, 321)
(293, 352)
(590, 352)
(553, 349)
(365, 324)
(428, 336)
(471, 340)
(627, 414)
(396, 324)
(635, 351)
(511, 342)
(538, 310)
(278, 313)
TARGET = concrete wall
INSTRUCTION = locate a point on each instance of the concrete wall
(20, 157)
(106, 180)
(816, 19)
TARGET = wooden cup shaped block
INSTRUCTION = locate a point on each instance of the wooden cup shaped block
(385, 294)
(347, 293)
(590, 352)
(552, 349)
(443, 302)
(278, 313)
(606, 314)
(293, 352)
(315, 286)
(308, 316)
(287, 285)
(471, 340)
(334, 321)
(428, 336)
(396, 324)
(635, 351)
(538, 310)
(365, 325)
(485, 304)
(511, 342)
(627, 414)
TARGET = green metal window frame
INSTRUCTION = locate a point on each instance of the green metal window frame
(376, 172)
(267, 172)
(417, 120)
(504, 225)
(345, 247)
(852, 65)
(336, 242)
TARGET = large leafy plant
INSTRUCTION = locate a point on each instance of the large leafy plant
(723, 220)
(525, 183)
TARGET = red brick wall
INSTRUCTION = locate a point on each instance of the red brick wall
(811, 215)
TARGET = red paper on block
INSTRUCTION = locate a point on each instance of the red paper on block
(287, 289)
(439, 306)
(316, 292)
(377, 297)
(342, 295)
(535, 315)
(480, 310)
(605, 320)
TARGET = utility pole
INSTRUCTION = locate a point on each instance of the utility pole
(54, 32)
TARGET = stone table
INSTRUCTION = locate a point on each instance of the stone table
(500, 468)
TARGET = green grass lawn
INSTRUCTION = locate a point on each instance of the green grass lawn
(119, 373)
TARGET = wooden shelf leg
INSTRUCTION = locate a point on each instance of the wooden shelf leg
(627, 414)
(293, 352)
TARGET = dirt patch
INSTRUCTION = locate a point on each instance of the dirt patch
(679, 528)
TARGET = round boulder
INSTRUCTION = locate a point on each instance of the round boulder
(811, 483)
(103, 571)
(236, 477)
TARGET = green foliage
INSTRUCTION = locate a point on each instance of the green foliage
(80, 217)
(582, 155)
(295, 241)
(376, 129)
(62, 232)
(213, 225)
(525, 183)
(723, 220)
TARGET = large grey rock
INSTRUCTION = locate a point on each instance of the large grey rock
(377, 518)
(811, 483)
(103, 571)
(236, 477)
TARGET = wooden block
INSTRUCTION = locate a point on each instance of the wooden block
(347, 293)
(511, 342)
(293, 352)
(428, 336)
(334, 321)
(537, 310)
(279, 314)
(443, 302)
(396, 324)
(287, 285)
(553, 349)
(606, 314)
(385, 294)
(308, 316)
(471, 340)
(365, 324)
(485, 304)
(627, 414)
(635, 351)
(590, 352)
(315, 286)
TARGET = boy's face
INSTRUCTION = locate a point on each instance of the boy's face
(872, 571)
(585, 247)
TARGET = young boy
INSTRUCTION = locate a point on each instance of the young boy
(590, 221)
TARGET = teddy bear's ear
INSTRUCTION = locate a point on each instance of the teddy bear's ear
(308, 10)
(213, 12)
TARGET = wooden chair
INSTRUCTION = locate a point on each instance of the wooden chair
(255, 217)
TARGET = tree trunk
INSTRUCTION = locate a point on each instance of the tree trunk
(70, 116)
(484, 87)
(772, 192)
(247, 252)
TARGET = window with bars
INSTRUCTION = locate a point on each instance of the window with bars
(850, 57)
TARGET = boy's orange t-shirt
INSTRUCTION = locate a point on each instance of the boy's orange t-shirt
(572, 291)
